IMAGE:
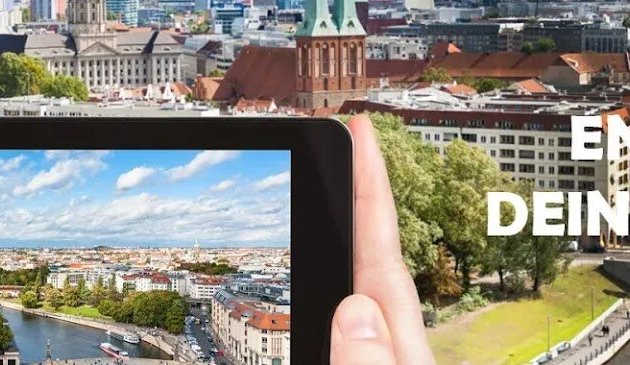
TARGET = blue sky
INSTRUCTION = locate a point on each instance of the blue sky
(133, 198)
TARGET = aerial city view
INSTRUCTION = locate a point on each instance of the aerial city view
(122, 254)
(155, 256)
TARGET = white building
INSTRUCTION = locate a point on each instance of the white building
(251, 334)
(419, 4)
(396, 48)
(99, 57)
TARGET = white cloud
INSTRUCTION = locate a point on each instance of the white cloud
(201, 161)
(12, 164)
(223, 185)
(143, 218)
(63, 173)
(273, 181)
(57, 154)
(134, 178)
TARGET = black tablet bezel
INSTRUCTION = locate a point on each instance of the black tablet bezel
(321, 193)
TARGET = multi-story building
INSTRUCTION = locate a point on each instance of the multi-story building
(469, 37)
(510, 40)
(251, 334)
(204, 287)
(58, 279)
(151, 15)
(125, 10)
(102, 59)
(43, 10)
(395, 48)
(224, 16)
(579, 37)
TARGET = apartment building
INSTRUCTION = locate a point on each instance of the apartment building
(532, 145)
(204, 287)
(252, 335)
(395, 48)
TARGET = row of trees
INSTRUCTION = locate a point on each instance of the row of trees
(24, 277)
(6, 335)
(164, 309)
(209, 268)
(152, 309)
(442, 215)
(25, 75)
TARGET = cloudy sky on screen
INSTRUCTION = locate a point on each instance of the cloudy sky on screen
(144, 198)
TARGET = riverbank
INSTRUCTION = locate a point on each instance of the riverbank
(162, 340)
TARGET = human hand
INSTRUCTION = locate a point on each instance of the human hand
(382, 322)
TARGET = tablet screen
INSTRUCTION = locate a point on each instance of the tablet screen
(163, 254)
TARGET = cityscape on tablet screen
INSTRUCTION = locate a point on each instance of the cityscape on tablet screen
(146, 254)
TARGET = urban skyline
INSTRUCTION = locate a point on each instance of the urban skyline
(139, 198)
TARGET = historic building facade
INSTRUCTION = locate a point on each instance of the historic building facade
(102, 59)
(330, 55)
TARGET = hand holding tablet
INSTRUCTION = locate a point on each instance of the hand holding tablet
(382, 322)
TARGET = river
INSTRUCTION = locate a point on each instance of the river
(68, 341)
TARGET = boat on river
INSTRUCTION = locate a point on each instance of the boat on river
(114, 351)
(127, 337)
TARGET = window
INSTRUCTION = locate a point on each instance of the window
(483, 139)
(552, 170)
(564, 156)
(541, 155)
(493, 153)
(526, 140)
(325, 60)
(353, 60)
(506, 153)
(506, 139)
(526, 168)
(541, 169)
(448, 122)
(475, 123)
(566, 170)
(304, 61)
(552, 156)
(527, 154)
(507, 167)
(493, 139)
(552, 142)
(427, 136)
(541, 184)
(586, 171)
(469, 137)
(436, 137)
(504, 124)
(564, 142)
(586, 185)
(541, 141)
(566, 184)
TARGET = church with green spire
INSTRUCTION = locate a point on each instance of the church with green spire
(330, 50)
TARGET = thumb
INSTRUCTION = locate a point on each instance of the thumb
(359, 334)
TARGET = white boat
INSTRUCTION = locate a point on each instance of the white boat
(114, 351)
(127, 337)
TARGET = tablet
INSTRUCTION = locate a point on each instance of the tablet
(265, 205)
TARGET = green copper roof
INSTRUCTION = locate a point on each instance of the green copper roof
(345, 17)
(317, 21)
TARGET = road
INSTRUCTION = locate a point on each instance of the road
(204, 342)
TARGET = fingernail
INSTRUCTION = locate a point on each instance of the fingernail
(359, 327)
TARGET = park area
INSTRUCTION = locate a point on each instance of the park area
(514, 332)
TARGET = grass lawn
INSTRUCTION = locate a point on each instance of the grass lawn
(82, 311)
(515, 332)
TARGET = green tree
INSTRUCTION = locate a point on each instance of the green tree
(21, 75)
(438, 280)
(488, 84)
(175, 317)
(544, 45)
(466, 176)
(527, 48)
(26, 15)
(65, 86)
(433, 74)
(216, 73)
(71, 294)
(54, 298)
(29, 299)
(626, 22)
(6, 336)
(98, 293)
(112, 16)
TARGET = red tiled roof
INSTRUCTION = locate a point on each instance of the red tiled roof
(270, 321)
(501, 65)
(441, 49)
(595, 62)
(395, 70)
(459, 89)
(532, 86)
(260, 73)
(256, 105)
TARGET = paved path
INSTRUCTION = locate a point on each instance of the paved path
(583, 350)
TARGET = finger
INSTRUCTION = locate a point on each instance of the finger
(359, 334)
(379, 271)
